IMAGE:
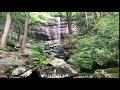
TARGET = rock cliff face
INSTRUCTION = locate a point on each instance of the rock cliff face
(52, 31)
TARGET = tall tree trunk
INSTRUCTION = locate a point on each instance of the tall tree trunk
(77, 28)
(86, 16)
(25, 33)
(18, 33)
(11, 32)
(94, 15)
(69, 16)
(6, 31)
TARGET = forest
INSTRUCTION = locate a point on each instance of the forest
(59, 44)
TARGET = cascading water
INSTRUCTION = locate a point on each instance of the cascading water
(58, 29)
(47, 32)
(55, 33)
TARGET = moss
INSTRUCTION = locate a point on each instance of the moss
(99, 75)
(112, 70)
(115, 75)
(107, 73)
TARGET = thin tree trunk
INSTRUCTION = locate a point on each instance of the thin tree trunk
(77, 22)
(100, 13)
(69, 15)
(86, 18)
(18, 33)
(94, 15)
(6, 31)
(11, 32)
(25, 33)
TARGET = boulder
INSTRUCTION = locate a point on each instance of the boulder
(22, 71)
(57, 72)
(27, 73)
(19, 70)
(60, 69)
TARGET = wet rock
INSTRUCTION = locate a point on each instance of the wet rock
(107, 73)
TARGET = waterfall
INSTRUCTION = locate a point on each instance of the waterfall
(55, 33)
(48, 32)
(58, 29)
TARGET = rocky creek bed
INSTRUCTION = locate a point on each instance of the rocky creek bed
(14, 65)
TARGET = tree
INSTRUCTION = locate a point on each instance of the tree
(99, 49)
(68, 17)
(25, 32)
(94, 15)
(86, 18)
(6, 31)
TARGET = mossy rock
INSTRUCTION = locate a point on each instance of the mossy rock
(112, 70)
(107, 73)
(98, 75)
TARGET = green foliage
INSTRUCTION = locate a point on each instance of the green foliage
(11, 67)
(4, 49)
(18, 17)
(7, 49)
(40, 63)
(99, 48)
(10, 42)
(38, 47)
(37, 53)
(39, 18)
